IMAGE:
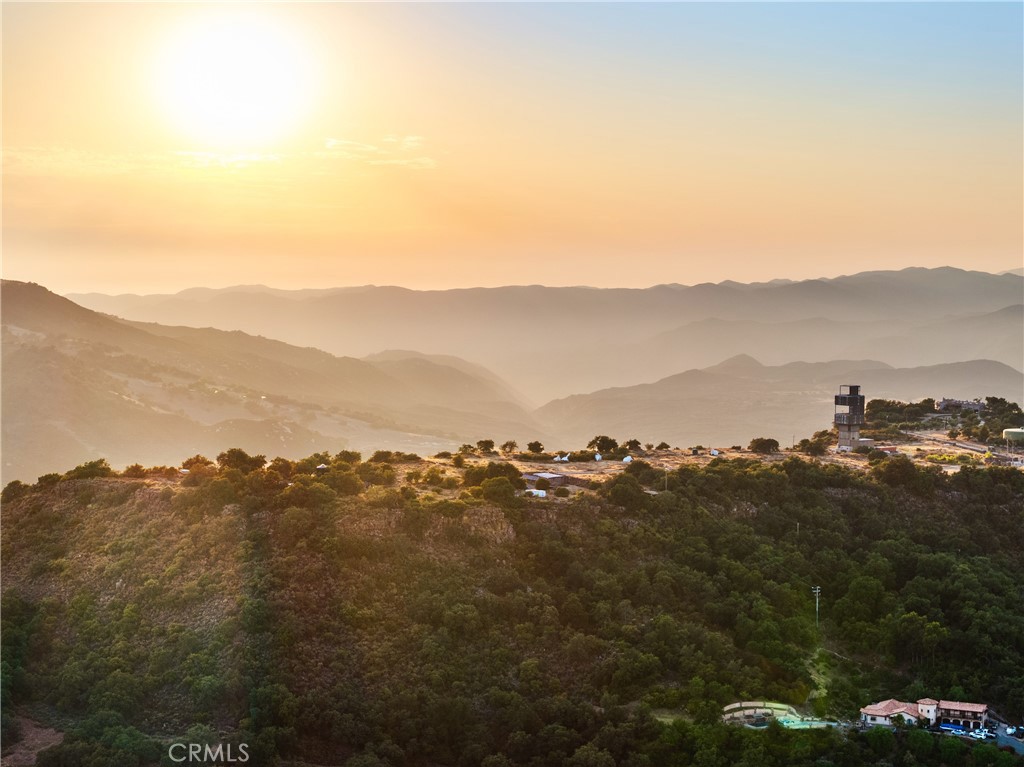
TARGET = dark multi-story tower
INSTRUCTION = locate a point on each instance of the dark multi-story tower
(849, 416)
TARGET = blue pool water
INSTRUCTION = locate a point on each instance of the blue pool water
(805, 724)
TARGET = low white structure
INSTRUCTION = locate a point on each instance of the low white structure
(628, 459)
(1013, 435)
(597, 456)
(537, 493)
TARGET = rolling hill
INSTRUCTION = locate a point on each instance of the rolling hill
(552, 342)
(741, 398)
(79, 385)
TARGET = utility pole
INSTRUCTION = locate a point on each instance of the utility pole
(817, 594)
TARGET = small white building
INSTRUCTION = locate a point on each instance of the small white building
(628, 459)
(597, 456)
(536, 493)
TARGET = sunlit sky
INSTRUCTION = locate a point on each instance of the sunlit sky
(153, 147)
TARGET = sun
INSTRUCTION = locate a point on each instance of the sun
(234, 80)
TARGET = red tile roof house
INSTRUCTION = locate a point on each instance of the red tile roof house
(886, 712)
(969, 715)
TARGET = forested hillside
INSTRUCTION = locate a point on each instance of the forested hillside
(399, 611)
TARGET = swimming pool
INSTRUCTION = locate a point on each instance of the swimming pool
(805, 724)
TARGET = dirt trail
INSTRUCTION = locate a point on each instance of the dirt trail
(34, 738)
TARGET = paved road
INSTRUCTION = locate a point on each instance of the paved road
(1002, 739)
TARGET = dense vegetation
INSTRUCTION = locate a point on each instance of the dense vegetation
(888, 419)
(397, 611)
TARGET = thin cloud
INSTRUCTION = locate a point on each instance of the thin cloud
(62, 162)
(392, 150)
(416, 163)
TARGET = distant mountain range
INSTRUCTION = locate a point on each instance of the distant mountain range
(79, 384)
(553, 342)
(740, 398)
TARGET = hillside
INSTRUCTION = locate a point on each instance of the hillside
(430, 616)
(552, 342)
(740, 398)
(78, 384)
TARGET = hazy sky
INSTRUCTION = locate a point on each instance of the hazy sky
(151, 147)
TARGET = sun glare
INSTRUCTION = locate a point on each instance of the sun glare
(234, 80)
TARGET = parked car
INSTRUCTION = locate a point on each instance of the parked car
(1011, 730)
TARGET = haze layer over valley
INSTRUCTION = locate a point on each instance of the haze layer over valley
(555, 342)
(387, 368)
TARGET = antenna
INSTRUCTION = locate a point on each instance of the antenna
(816, 590)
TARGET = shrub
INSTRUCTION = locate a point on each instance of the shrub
(763, 445)
(90, 470)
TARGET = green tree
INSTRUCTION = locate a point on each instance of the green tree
(196, 460)
(498, 490)
(624, 490)
(509, 446)
(881, 740)
(236, 458)
(590, 755)
(763, 445)
(14, 490)
(91, 470)
(603, 444)
(920, 743)
(535, 447)
(485, 445)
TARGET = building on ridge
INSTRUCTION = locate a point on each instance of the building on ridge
(849, 416)
(970, 716)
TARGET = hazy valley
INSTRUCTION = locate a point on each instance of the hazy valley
(158, 378)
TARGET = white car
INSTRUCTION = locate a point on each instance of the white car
(1011, 730)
